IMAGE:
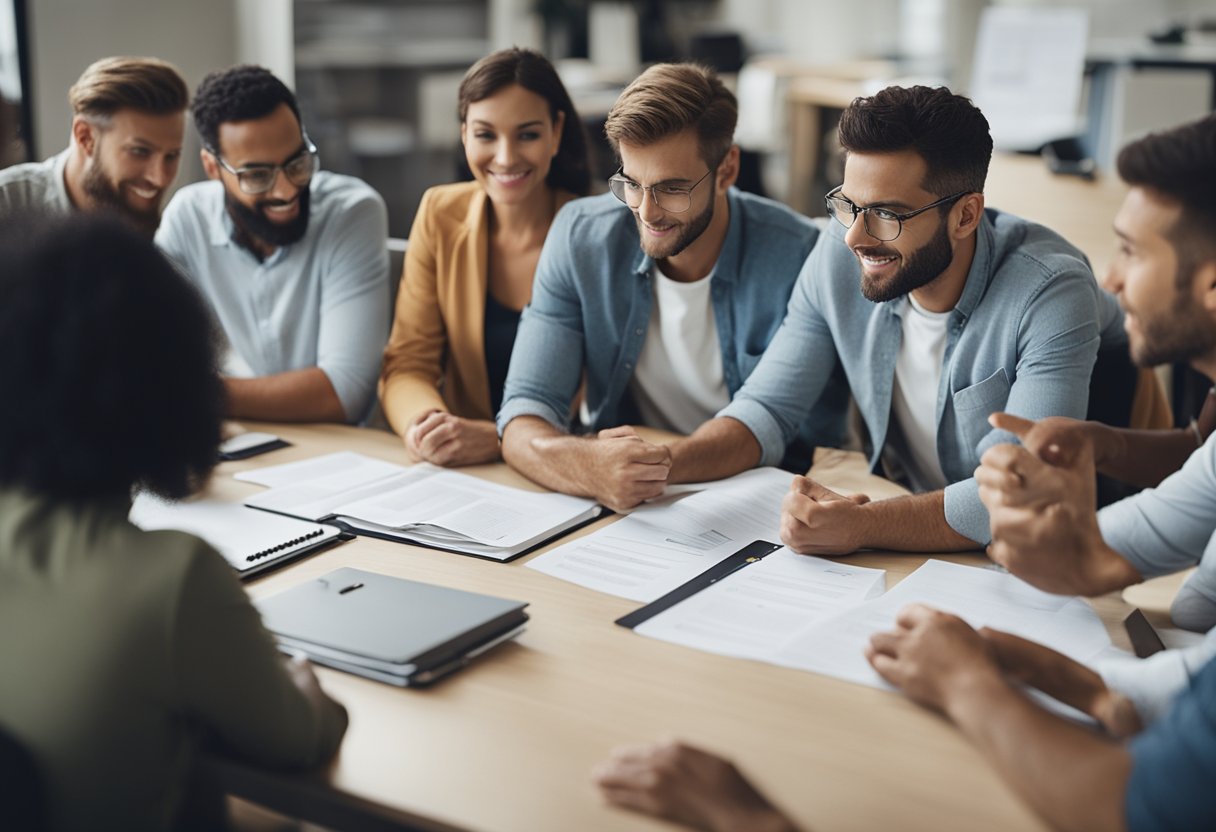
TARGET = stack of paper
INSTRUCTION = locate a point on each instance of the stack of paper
(666, 543)
(420, 504)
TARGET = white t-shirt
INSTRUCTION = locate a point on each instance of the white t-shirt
(678, 383)
(911, 449)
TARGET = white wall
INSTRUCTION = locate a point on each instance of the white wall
(68, 35)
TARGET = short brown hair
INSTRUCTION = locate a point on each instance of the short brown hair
(1180, 165)
(669, 98)
(149, 85)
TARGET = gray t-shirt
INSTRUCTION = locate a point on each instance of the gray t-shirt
(35, 187)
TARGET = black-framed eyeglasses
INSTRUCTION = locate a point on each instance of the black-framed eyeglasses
(670, 198)
(880, 223)
(258, 179)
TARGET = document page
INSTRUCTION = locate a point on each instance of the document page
(754, 609)
(982, 597)
(663, 544)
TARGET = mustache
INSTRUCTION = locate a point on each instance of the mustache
(275, 203)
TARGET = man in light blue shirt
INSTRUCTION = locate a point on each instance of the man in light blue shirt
(660, 306)
(292, 260)
(961, 312)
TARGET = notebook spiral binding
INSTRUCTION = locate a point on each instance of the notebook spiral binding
(265, 553)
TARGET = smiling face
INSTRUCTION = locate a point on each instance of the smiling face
(673, 162)
(131, 162)
(1165, 321)
(922, 251)
(510, 140)
(278, 216)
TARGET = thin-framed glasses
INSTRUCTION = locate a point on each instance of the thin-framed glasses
(880, 223)
(670, 198)
(258, 179)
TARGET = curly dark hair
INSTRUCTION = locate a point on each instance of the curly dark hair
(110, 363)
(946, 130)
(1180, 165)
(239, 93)
(571, 168)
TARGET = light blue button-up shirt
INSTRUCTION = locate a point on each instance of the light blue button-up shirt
(590, 311)
(1023, 338)
(320, 302)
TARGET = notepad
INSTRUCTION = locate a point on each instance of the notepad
(421, 504)
(251, 541)
(402, 632)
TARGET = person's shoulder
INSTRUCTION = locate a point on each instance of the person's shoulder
(339, 192)
(25, 172)
(1021, 244)
(773, 214)
(452, 198)
(595, 222)
(197, 197)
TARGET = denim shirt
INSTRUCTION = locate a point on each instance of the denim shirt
(1023, 338)
(590, 310)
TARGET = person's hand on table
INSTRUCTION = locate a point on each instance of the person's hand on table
(817, 521)
(689, 786)
(1063, 679)
(1041, 502)
(443, 439)
(931, 655)
(625, 469)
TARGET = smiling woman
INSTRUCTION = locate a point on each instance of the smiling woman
(472, 255)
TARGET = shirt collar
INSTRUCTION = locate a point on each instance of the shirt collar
(980, 273)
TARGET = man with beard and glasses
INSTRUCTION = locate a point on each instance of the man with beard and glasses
(962, 311)
(128, 118)
(660, 306)
(291, 259)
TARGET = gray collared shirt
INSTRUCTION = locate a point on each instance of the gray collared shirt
(320, 302)
(36, 188)
(1023, 338)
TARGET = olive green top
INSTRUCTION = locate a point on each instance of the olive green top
(118, 647)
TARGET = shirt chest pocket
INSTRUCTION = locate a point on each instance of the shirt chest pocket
(973, 405)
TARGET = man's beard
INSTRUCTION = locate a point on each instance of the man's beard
(688, 234)
(102, 191)
(253, 223)
(1180, 336)
(920, 268)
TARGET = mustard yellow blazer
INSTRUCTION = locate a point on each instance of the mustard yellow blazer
(435, 357)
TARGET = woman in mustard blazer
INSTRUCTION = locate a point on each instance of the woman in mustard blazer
(472, 255)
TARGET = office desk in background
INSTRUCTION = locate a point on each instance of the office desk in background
(508, 744)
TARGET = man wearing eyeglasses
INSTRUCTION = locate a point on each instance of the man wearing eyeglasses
(941, 311)
(292, 259)
(659, 298)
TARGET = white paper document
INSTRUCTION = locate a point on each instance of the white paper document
(663, 544)
(747, 613)
(420, 503)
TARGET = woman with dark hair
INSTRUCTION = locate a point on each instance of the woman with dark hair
(472, 255)
(119, 648)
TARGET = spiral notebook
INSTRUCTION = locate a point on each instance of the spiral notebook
(251, 541)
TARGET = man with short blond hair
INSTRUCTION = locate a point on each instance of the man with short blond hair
(128, 119)
(663, 305)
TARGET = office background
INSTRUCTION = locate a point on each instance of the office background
(377, 78)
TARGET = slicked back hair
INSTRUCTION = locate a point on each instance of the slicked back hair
(239, 93)
(1180, 165)
(110, 361)
(148, 85)
(944, 129)
(668, 99)
(571, 168)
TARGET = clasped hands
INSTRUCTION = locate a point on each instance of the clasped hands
(444, 439)
(1041, 501)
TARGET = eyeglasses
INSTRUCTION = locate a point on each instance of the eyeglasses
(880, 223)
(258, 179)
(669, 198)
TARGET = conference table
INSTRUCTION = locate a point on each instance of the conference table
(509, 742)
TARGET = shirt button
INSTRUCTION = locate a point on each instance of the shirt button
(637, 331)
(628, 366)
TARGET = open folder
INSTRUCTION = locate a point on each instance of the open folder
(392, 630)
(421, 504)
